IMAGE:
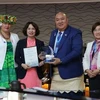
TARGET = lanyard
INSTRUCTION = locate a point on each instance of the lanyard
(59, 36)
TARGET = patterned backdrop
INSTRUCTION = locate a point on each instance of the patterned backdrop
(80, 15)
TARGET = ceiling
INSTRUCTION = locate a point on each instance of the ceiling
(43, 1)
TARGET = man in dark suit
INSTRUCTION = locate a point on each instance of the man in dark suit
(66, 69)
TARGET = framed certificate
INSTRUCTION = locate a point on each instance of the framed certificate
(31, 56)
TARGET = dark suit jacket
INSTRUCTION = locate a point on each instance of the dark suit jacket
(70, 52)
(19, 58)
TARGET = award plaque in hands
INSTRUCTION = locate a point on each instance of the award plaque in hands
(47, 54)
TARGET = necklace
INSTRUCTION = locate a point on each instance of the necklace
(7, 38)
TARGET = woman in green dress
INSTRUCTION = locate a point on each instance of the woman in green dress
(8, 41)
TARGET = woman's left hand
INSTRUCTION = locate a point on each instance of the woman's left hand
(42, 55)
(96, 72)
(41, 63)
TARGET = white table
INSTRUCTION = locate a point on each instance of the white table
(38, 97)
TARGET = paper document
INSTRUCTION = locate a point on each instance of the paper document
(35, 89)
(40, 89)
(31, 56)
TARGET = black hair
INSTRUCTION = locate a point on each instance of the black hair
(95, 25)
(34, 25)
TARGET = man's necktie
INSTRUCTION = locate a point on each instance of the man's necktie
(57, 42)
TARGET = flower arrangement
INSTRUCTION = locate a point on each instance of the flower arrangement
(8, 19)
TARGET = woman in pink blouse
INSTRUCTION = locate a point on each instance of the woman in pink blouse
(30, 76)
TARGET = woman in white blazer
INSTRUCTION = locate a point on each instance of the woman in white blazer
(8, 42)
(91, 60)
